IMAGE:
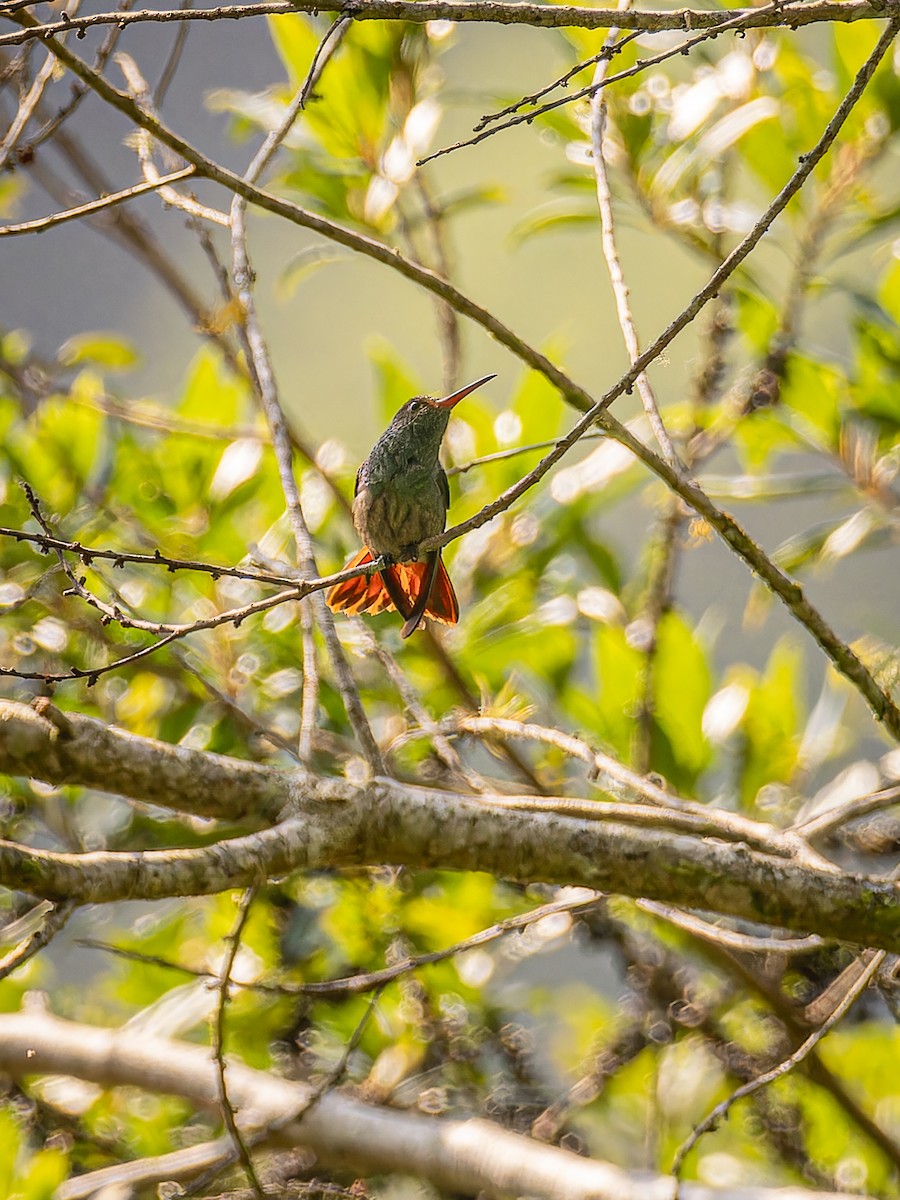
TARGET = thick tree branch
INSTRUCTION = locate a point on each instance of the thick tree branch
(63, 748)
(657, 854)
(490, 11)
(468, 1157)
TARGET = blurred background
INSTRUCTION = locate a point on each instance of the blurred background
(596, 605)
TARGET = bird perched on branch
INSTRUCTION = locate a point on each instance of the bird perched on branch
(401, 498)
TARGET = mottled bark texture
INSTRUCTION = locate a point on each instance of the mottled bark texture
(334, 823)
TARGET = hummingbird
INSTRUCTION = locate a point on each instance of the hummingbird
(400, 499)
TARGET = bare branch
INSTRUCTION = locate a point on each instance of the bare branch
(177, 1165)
(233, 941)
(263, 377)
(25, 110)
(493, 11)
(118, 558)
(368, 981)
(721, 1110)
(45, 743)
(95, 206)
(468, 1157)
(611, 254)
(832, 819)
(51, 923)
(661, 855)
(602, 80)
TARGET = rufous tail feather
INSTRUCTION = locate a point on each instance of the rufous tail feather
(372, 594)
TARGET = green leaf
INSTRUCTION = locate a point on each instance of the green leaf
(212, 392)
(552, 217)
(814, 390)
(305, 263)
(619, 669)
(44, 1174)
(682, 685)
(538, 404)
(757, 318)
(395, 381)
(105, 349)
(10, 1140)
(471, 198)
(772, 723)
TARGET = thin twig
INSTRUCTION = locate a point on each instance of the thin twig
(26, 109)
(739, 22)
(410, 696)
(721, 1110)
(263, 377)
(609, 51)
(87, 554)
(611, 253)
(39, 224)
(514, 452)
(174, 58)
(175, 1166)
(53, 921)
(448, 321)
(91, 674)
(861, 806)
(130, 231)
(731, 939)
(80, 90)
(233, 941)
(140, 90)
(328, 46)
(365, 981)
(659, 597)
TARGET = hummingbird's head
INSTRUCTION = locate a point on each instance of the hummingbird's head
(424, 419)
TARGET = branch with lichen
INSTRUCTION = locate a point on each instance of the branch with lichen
(669, 855)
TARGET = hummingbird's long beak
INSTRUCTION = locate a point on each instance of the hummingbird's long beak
(455, 397)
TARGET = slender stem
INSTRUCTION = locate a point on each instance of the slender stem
(263, 376)
(721, 1110)
(95, 206)
(233, 942)
(25, 110)
(611, 252)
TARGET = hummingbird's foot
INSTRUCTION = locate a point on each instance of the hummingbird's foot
(410, 553)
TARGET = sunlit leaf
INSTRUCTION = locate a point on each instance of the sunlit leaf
(104, 349)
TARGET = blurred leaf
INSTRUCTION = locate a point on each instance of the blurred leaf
(558, 214)
(59, 447)
(395, 381)
(105, 349)
(682, 685)
(10, 193)
(303, 264)
(772, 723)
(44, 1174)
(537, 403)
(470, 198)
(757, 318)
(619, 669)
(815, 391)
(762, 434)
(211, 393)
